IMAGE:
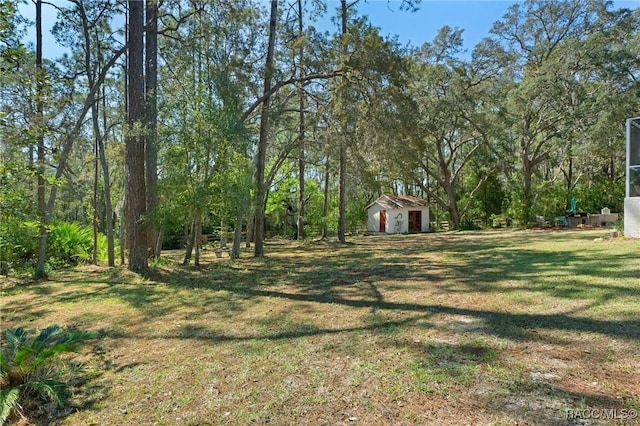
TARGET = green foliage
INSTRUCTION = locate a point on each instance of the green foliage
(314, 220)
(70, 243)
(103, 248)
(592, 196)
(488, 201)
(468, 224)
(18, 241)
(500, 221)
(356, 215)
(11, 49)
(550, 200)
(533, 122)
(618, 225)
(31, 367)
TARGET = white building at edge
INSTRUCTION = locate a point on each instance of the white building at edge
(632, 193)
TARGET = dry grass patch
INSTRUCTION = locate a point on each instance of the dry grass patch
(455, 328)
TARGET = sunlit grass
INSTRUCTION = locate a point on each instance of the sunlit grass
(386, 330)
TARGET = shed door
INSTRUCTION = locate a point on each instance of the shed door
(415, 221)
(383, 221)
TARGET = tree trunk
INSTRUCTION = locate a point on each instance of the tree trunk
(159, 241)
(527, 171)
(261, 189)
(67, 146)
(135, 142)
(197, 237)
(123, 228)
(250, 231)
(342, 170)
(325, 203)
(111, 257)
(189, 240)
(223, 232)
(94, 199)
(42, 208)
(151, 149)
(301, 135)
(237, 232)
(448, 184)
(95, 120)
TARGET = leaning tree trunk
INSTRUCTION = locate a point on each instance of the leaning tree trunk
(111, 257)
(95, 120)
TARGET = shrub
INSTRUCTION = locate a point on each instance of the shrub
(103, 249)
(70, 243)
(18, 242)
(31, 369)
(468, 224)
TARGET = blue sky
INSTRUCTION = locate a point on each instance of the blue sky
(475, 17)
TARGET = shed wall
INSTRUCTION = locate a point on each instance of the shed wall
(373, 218)
(397, 219)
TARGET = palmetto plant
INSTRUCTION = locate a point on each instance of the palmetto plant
(70, 242)
(31, 367)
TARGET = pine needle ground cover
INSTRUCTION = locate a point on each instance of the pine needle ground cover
(491, 328)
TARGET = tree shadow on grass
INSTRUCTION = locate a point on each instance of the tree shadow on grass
(501, 323)
(350, 279)
(347, 277)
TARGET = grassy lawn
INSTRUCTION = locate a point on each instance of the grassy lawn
(491, 328)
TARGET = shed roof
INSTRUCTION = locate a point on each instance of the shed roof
(399, 202)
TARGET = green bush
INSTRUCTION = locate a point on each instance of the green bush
(103, 248)
(70, 243)
(467, 224)
(31, 368)
(18, 242)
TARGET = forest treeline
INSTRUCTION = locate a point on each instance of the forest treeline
(169, 119)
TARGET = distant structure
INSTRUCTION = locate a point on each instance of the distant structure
(398, 214)
(632, 194)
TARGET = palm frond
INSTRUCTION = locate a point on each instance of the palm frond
(8, 400)
(15, 339)
(30, 361)
(45, 354)
(53, 390)
(21, 357)
(4, 363)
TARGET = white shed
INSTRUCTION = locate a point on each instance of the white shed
(397, 214)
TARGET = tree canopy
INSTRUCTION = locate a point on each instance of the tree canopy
(247, 119)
